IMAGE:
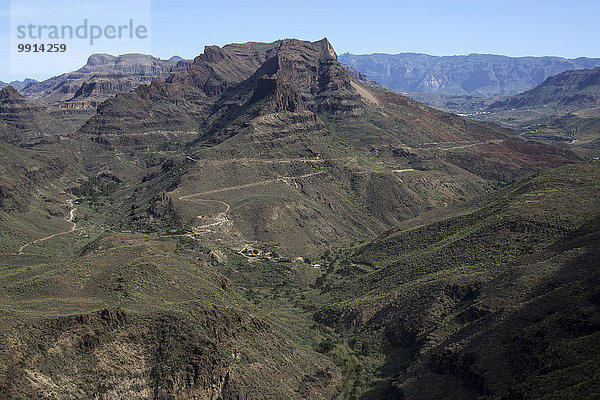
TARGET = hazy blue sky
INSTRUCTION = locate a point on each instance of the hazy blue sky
(515, 28)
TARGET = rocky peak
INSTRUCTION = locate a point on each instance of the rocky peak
(328, 52)
(211, 54)
(10, 93)
(13, 101)
(312, 68)
(99, 59)
(321, 49)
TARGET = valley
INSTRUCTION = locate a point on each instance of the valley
(262, 223)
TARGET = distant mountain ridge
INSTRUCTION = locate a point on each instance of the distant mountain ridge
(102, 76)
(564, 108)
(17, 84)
(570, 91)
(475, 74)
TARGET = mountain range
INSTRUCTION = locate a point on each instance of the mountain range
(265, 223)
(565, 107)
(17, 84)
(230, 95)
(481, 75)
(562, 109)
(101, 77)
(570, 91)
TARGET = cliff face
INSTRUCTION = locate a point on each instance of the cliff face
(314, 71)
(281, 96)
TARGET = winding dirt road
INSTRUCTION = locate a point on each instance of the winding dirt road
(223, 215)
(459, 145)
(268, 161)
(73, 228)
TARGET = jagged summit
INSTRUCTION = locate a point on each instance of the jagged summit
(99, 59)
(312, 70)
(249, 51)
(313, 67)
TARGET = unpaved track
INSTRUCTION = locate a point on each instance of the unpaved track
(73, 228)
(247, 185)
(459, 145)
(223, 215)
(267, 161)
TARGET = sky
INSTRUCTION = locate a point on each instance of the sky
(514, 28)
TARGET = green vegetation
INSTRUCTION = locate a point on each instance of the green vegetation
(430, 295)
(248, 229)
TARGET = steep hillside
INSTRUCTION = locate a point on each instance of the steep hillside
(135, 317)
(497, 300)
(476, 74)
(21, 121)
